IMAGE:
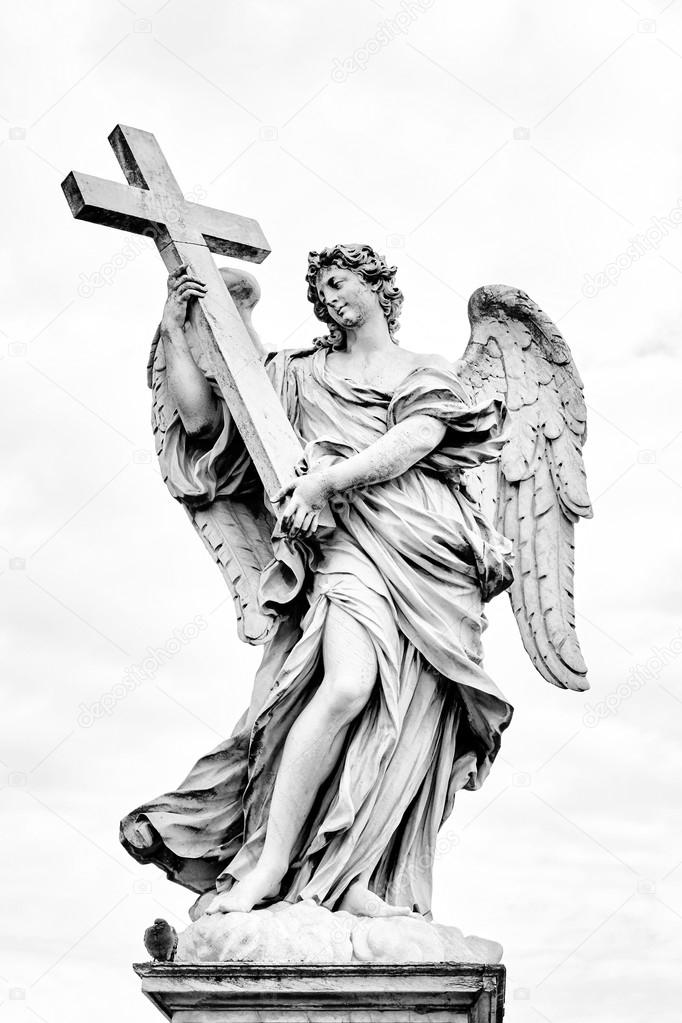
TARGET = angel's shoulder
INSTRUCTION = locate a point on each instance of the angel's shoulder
(420, 360)
(288, 355)
(414, 362)
(431, 360)
(285, 361)
(433, 371)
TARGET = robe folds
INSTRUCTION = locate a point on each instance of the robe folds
(413, 560)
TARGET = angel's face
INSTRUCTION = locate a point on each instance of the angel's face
(348, 299)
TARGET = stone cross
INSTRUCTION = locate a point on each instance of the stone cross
(186, 232)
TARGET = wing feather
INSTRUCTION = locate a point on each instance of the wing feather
(237, 536)
(236, 532)
(516, 353)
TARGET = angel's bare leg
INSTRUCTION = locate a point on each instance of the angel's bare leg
(310, 753)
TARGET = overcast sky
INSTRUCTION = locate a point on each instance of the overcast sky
(534, 144)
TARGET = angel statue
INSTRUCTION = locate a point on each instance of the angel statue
(448, 483)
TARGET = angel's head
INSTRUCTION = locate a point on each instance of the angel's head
(346, 285)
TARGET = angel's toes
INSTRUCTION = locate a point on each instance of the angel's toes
(221, 904)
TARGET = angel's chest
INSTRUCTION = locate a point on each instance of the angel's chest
(320, 412)
(382, 379)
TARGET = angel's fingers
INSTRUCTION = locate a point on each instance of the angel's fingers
(296, 521)
(287, 515)
(184, 298)
(191, 290)
(191, 276)
(183, 281)
(310, 524)
(175, 283)
(287, 489)
(306, 525)
(192, 272)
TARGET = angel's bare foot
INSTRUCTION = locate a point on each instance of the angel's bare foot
(245, 894)
(360, 901)
(199, 907)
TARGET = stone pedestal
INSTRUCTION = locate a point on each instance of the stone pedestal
(258, 993)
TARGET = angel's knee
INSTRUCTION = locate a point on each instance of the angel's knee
(350, 667)
(344, 694)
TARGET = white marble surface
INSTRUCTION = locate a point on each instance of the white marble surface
(306, 933)
(323, 993)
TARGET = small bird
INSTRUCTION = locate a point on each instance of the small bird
(161, 941)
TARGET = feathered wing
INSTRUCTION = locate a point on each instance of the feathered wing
(236, 532)
(537, 491)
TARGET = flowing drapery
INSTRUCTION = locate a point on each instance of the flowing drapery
(413, 560)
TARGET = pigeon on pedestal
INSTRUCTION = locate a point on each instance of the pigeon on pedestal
(161, 941)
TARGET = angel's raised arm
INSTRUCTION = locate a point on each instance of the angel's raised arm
(200, 411)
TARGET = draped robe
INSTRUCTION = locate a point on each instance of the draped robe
(413, 560)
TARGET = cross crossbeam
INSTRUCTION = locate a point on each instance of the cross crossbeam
(186, 232)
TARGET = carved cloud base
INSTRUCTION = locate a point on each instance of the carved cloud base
(308, 934)
(250, 993)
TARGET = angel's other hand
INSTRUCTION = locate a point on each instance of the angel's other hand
(307, 497)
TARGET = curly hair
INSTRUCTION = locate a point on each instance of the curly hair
(368, 265)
